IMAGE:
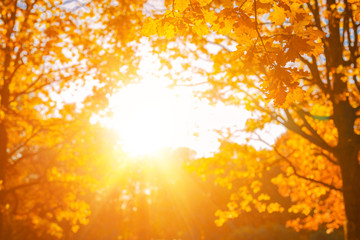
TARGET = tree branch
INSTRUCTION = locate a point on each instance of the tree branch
(301, 113)
(259, 35)
(294, 168)
(327, 158)
(291, 125)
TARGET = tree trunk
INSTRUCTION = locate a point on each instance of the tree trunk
(347, 153)
(5, 96)
(3, 161)
(351, 191)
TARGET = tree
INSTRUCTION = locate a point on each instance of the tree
(290, 62)
(60, 60)
(278, 183)
(54, 202)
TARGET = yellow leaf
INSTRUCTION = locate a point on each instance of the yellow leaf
(228, 3)
(75, 228)
(201, 28)
(226, 26)
(149, 27)
(275, 207)
(278, 15)
(209, 16)
(170, 31)
(204, 2)
(263, 197)
(181, 5)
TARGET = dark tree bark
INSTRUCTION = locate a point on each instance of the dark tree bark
(347, 153)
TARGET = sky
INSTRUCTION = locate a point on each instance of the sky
(148, 116)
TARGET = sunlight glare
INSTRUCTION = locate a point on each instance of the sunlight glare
(149, 117)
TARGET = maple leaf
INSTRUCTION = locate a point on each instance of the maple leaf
(278, 15)
(201, 28)
(297, 45)
(149, 27)
(204, 2)
(181, 5)
(209, 16)
(280, 97)
(228, 3)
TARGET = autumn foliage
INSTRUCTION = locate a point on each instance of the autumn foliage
(291, 63)
(50, 52)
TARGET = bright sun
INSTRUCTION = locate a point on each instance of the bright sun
(149, 117)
